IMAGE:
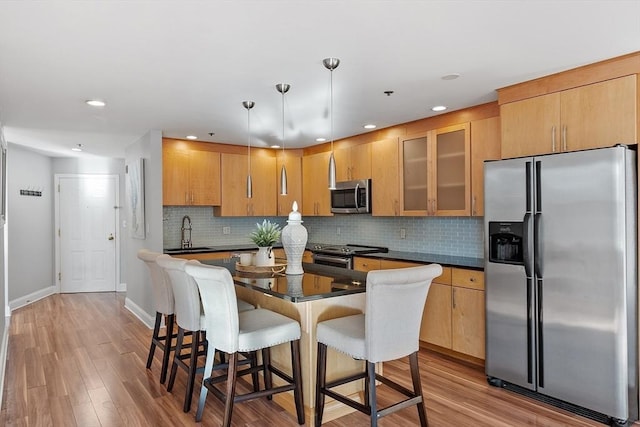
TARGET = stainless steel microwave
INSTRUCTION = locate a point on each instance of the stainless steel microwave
(351, 197)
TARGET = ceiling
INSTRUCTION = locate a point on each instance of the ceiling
(185, 67)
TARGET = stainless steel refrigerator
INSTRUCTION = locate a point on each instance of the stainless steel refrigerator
(561, 278)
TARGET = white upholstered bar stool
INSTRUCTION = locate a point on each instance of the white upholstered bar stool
(249, 331)
(164, 304)
(388, 330)
(191, 321)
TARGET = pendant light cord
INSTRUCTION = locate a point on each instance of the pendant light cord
(331, 106)
(249, 140)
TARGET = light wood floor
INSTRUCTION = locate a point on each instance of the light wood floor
(79, 359)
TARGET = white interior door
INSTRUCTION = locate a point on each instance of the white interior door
(87, 232)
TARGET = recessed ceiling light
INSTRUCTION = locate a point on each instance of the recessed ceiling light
(192, 137)
(95, 103)
(438, 108)
(452, 76)
(78, 148)
(321, 139)
(275, 146)
(369, 126)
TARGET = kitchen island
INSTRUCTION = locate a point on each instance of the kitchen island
(321, 293)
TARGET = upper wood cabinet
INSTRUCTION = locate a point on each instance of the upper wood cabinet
(385, 178)
(485, 145)
(436, 172)
(234, 180)
(451, 170)
(315, 169)
(353, 162)
(190, 177)
(597, 115)
(415, 157)
(293, 165)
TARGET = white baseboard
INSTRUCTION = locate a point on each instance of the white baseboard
(35, 296)
(137, 311)
(121, 287)
(4, 347)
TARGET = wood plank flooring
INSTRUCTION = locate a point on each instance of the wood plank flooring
(79, 360)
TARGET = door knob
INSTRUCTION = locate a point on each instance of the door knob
(110, 236)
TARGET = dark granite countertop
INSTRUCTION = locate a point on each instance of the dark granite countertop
(317, 282)
(445, 260)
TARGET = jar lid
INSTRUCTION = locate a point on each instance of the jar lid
(294, 215)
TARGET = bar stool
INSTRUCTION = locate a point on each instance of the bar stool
(388, 330)
(163, 300)
(234, 332)
(191, 321)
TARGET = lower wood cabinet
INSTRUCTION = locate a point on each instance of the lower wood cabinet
(454, 314)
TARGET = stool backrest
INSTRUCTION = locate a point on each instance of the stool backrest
(185, 292)
(160, 286)
(218, 295)
(394, 304)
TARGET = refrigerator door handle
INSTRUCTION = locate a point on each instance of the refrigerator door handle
(530, 354)
(540, 336)
(537, 245)
(526, 252)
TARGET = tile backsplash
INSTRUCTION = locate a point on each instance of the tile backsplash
(460, 236)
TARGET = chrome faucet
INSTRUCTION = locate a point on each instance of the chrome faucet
(185, 239)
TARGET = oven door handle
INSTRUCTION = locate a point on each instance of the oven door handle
(330, 258)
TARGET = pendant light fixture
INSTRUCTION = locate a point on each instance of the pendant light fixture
(249, 105)
(331, 64)
(283, 88)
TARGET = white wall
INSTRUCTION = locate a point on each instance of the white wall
(29, 223)
(135, 274)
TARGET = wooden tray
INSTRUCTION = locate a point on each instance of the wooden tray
(279, 267)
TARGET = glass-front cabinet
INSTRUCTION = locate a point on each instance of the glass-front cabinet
(452, 163)
(436, 178)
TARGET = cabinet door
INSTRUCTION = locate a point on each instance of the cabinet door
(385, 180)
(414, 173)
(343, 164)
(451, 171)
(175, 176)
(530, 126)
(436, 318)
(387, 264)
(599, 115)
(366, 264)
(204, 178)
(468, 319)
(263, 174)
(361, 161)
(485, 145)
(234, 180)
(293, 165)
(315, 185)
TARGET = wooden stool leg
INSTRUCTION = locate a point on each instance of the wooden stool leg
(367, 398)
(373, 400)
(417, 388)
(176, 358)
(266, 363)
(167, 348)
(253, 357)
(321, 375)
(154, 338)
(297, 379)
(231, 389)
(193, 367)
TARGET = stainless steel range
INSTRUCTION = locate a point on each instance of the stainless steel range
(342, 255)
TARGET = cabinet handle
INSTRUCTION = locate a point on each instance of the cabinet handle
(472, 279)
(186, 198)
(553, 139)
(192, 197)
(434, 208)
(564, 138)
(397, 207)
(453, 297)
(473, 205)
